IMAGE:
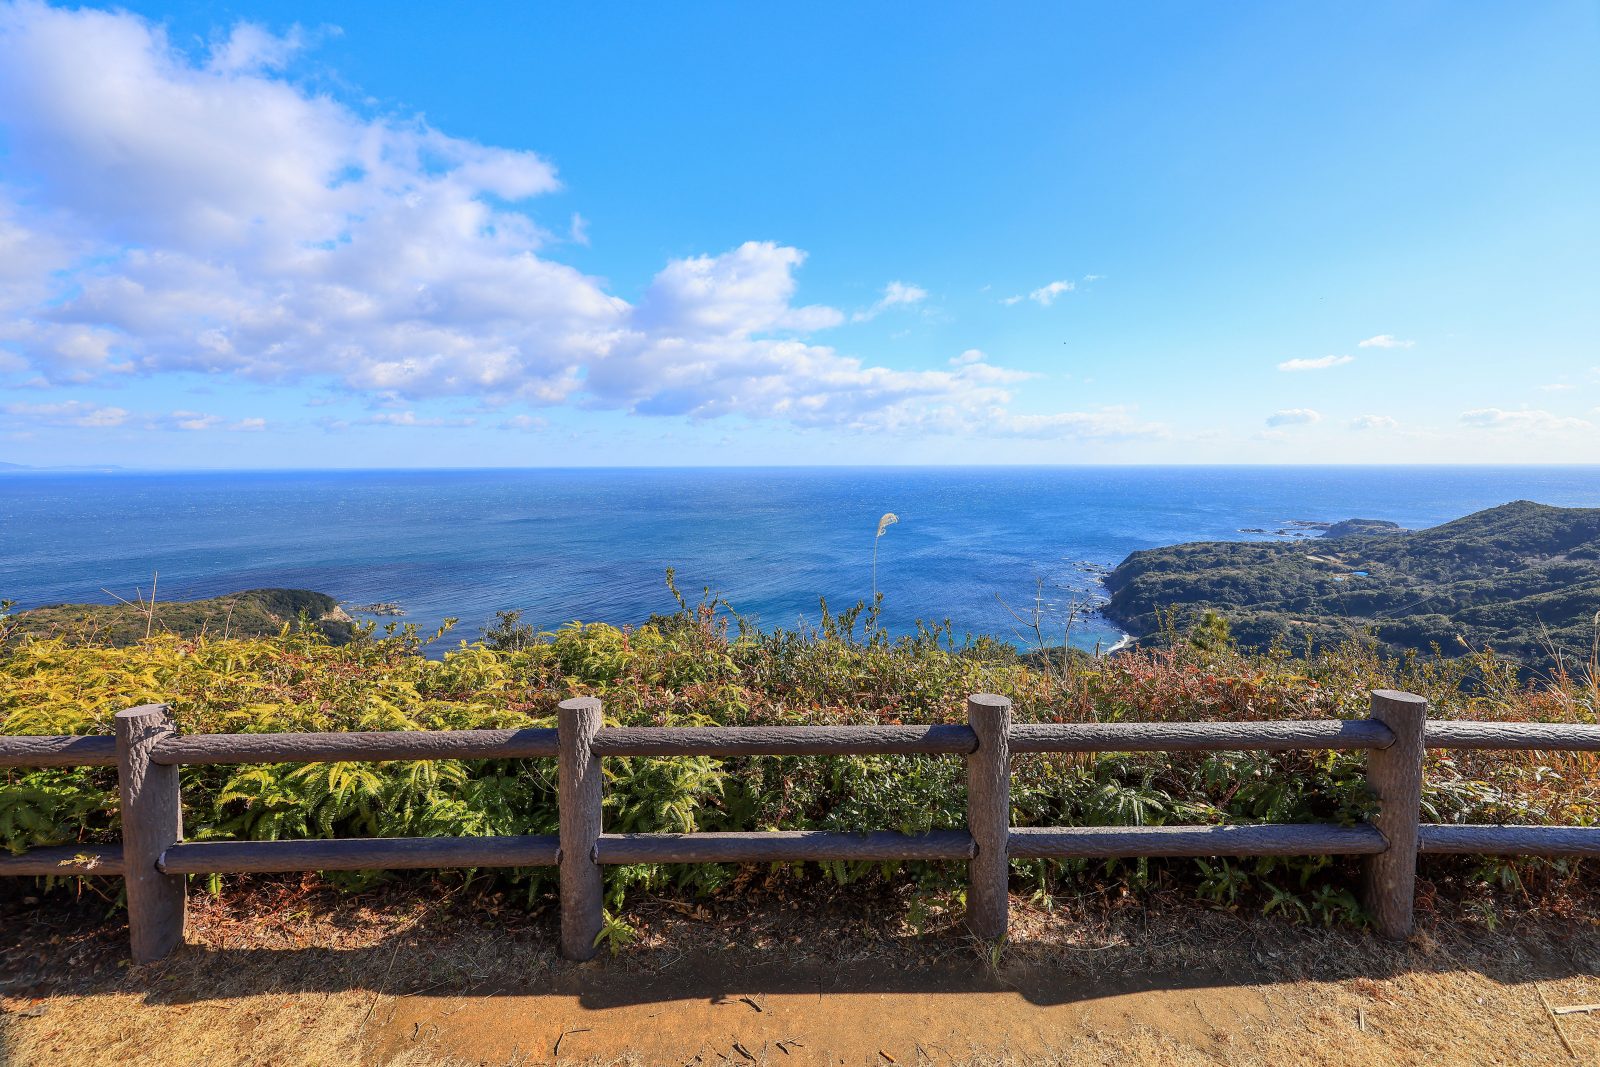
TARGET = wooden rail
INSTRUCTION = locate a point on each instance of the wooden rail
(154, 859)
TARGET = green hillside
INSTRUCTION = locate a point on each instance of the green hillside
(1523, 578)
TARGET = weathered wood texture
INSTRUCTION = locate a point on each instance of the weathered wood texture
(783, 740)
(153, 858)
(359, 854)
(1199, 736)
(582, 888)
(1535, 736)
(989, 816)
(152, 821)
(1104, 842)
(783, 846)
(91, 751)
(1395, 776)
(63, 860)
(1511, 840)
(356, 746)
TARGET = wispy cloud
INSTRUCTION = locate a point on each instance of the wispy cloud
(1525, 420)
(77, 413)
(1321, 363)
(1109, 423)
(81, 414)
(1044, 296)
(525, 423)
(1374, 422)
(201, 422)
(895, 294)
(1385, 340)
(1294, 417)
(411, 418)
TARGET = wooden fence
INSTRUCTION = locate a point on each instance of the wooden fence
(153, 858)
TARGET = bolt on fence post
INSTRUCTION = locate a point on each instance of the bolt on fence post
(1395, 775)
(582, 888)
(989, 815)
(152, 821)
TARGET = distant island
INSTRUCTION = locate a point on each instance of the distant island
(1522, 579)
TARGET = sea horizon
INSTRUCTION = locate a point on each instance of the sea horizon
(973, 545)
(109, 468)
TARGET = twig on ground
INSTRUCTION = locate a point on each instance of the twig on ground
(563, 1035)
(377, 994)
(1555, 1022)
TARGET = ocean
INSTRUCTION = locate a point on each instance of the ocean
(594, 544)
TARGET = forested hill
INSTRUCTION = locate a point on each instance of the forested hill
(1518, 578)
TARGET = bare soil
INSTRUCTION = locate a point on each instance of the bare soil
(290, 973)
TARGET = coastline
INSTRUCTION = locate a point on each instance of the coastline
(1122, 642)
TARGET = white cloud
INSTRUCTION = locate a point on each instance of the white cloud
(895, 294)
(1385, 340)
(971, 355)
(1044, 296)
(1558, 387)
(163, 213)
(1524, 420)
(1294, 417)
(68, 413)
(1322, 363)
(1374, 422)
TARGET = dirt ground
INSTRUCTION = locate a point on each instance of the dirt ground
(286, 973)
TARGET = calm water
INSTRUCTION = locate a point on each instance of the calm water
(594, 544)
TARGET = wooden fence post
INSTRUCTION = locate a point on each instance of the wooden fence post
(989, 816)
(1395, 775)
(152, 821)
(582, 887)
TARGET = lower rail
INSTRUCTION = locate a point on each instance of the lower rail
(357, 854)
(1107, 842)
(1446, 838)
(64, 860)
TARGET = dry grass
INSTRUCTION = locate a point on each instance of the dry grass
(287, 974)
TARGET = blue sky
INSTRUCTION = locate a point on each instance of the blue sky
(414, 235)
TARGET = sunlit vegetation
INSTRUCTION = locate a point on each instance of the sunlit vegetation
(699, 666)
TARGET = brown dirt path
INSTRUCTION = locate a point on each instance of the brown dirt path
(702, 1011)
(289, 976)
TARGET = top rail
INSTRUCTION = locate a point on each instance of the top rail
(783, 740)
(341, 747)
(1199, 736)
(1517, 736)
(955, 739)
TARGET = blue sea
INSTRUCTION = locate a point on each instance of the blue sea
(594, 544)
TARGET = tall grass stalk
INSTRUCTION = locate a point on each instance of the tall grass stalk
(888, 520)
